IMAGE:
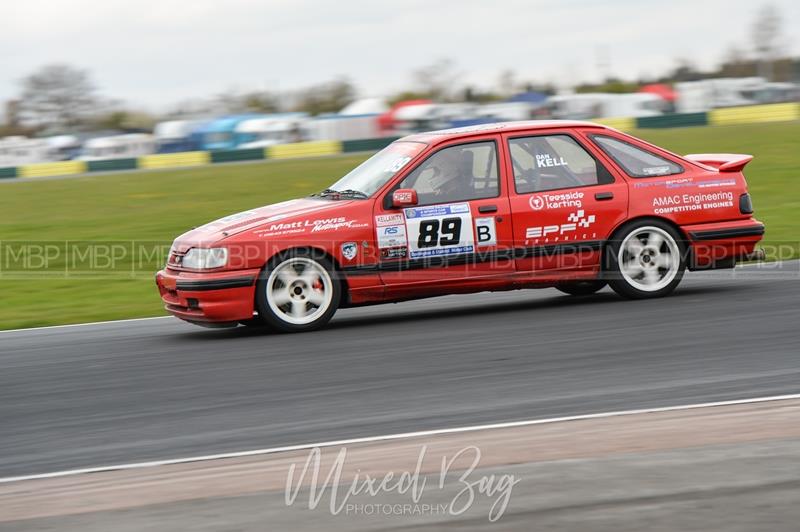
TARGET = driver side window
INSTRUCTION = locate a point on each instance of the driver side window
(551, 162)
(458, 173)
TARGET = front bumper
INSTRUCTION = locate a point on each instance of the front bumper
(208, 298)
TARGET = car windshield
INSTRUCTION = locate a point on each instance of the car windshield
(373, 173)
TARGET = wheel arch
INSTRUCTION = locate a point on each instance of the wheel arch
(648, 217)
(645, 217)
(314, 251)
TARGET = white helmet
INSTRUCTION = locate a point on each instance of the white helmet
(447, 170)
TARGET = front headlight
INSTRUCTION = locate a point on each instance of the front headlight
(205, 259)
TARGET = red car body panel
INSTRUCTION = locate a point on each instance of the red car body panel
(541, 238)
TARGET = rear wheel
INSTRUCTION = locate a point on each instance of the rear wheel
(581, 288)
(298, 293)
(647, 260)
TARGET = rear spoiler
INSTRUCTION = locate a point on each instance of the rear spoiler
(724, 162)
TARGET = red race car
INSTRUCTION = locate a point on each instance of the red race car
(571, 205)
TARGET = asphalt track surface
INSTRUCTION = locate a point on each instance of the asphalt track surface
(145, 390)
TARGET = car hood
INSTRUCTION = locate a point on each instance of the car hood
(252, 219)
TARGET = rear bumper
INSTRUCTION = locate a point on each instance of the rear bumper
(208, 298)
(722, 244)
(728, 233)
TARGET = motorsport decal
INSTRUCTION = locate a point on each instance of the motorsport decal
(439, 230)
(349, 250)
(313, 226)
(391, 230)
(576, 222)
(692, 202)
(392, 236)
(657, 170)
(229, 219)
(712, 183)
(545, 160)
(485, 233)
(398, 164)
(572, 200)
(389, 219)
(668, 183)
(394, 253)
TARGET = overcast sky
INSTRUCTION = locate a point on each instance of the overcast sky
(152, 54)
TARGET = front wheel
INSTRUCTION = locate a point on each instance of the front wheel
(297, 293)
(646, 260)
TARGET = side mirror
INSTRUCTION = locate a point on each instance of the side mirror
(404, 197)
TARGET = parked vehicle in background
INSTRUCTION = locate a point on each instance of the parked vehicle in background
(220, 134)
(125, 146)
(270, 130)
(600, 105)
(64, 147)
(176, 136)
(570, 205)
(17, 150)
(703, 95)
(773, 92)
(389, 121)
(344, 127)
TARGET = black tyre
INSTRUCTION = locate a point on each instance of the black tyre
(581, 288)
(645, 259)
(298, 292)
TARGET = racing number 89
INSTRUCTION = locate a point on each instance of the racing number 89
(429, 233)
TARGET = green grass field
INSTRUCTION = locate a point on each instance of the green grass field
(153, 207)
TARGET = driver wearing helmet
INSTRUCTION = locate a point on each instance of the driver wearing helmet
(449, 181)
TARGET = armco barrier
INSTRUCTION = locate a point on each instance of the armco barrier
(172, 160)
(228, 156)
(304, 149)
(367, 144)
(109, 165)
(8, 172)
(50, 169)
(774, 112)
(620, 123)
(675, 120)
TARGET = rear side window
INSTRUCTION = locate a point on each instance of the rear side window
(551, 162)
(635, 161)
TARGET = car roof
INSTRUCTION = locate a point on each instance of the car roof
(435, 137)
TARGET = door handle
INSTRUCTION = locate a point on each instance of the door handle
(487, 208)
(601, 196)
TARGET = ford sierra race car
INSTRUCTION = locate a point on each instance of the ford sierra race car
(564, 204)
